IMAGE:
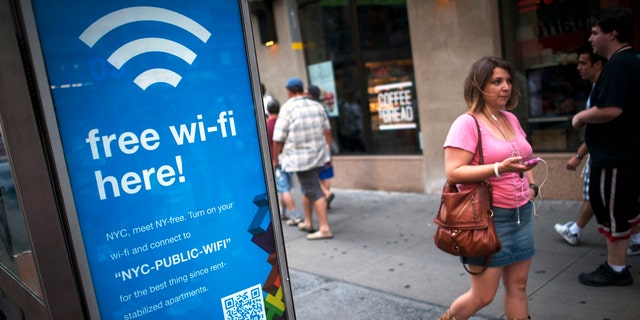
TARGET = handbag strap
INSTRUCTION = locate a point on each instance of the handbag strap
(479, 145)
(480, 161)
(486, 265)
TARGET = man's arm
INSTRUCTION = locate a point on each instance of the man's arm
(595, 115)
(574, 161)
(277, 149)
(328, 138)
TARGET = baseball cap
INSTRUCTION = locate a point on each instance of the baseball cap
(293, 83)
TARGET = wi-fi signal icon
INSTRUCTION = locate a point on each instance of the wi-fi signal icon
(126, 52)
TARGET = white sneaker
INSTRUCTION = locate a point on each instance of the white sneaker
(563, 230)
(294, 221)
(633, 249)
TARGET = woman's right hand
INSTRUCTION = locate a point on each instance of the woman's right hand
(513, 164)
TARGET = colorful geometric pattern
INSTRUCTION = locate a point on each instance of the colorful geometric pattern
(262, 231)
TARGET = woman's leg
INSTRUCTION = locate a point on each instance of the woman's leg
(514, 279)
(483, 289)
(326, 187)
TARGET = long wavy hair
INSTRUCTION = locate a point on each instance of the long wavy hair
(480, 75)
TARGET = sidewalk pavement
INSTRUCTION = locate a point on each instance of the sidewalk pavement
(382, 264)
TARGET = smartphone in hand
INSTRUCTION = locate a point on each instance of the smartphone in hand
(532, 161)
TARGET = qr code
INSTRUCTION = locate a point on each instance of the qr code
(244, 305)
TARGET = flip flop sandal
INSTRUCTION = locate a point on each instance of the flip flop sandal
(319, 235)
(329, 199)
(306, 227)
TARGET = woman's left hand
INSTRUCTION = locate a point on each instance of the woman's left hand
(533, 191)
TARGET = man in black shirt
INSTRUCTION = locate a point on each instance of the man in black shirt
(612, 125)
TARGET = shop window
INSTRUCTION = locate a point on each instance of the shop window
(543, 39)
(359, 52)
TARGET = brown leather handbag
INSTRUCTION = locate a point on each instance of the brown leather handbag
(465, 219)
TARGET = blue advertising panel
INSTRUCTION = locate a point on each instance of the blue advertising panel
(155, 111)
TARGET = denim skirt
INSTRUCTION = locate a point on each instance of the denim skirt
(515, 231)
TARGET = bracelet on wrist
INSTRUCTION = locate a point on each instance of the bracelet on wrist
(535, 188)
(579, 156)
(495, 169)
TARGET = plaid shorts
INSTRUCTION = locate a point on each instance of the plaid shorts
(585, 174)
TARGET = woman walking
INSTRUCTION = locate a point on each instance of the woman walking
(489, 93)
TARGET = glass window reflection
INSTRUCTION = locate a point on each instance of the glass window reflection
(15, 248)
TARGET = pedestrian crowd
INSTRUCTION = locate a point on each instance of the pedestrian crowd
(301, 144)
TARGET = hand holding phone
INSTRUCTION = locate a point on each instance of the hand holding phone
(532, 161)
